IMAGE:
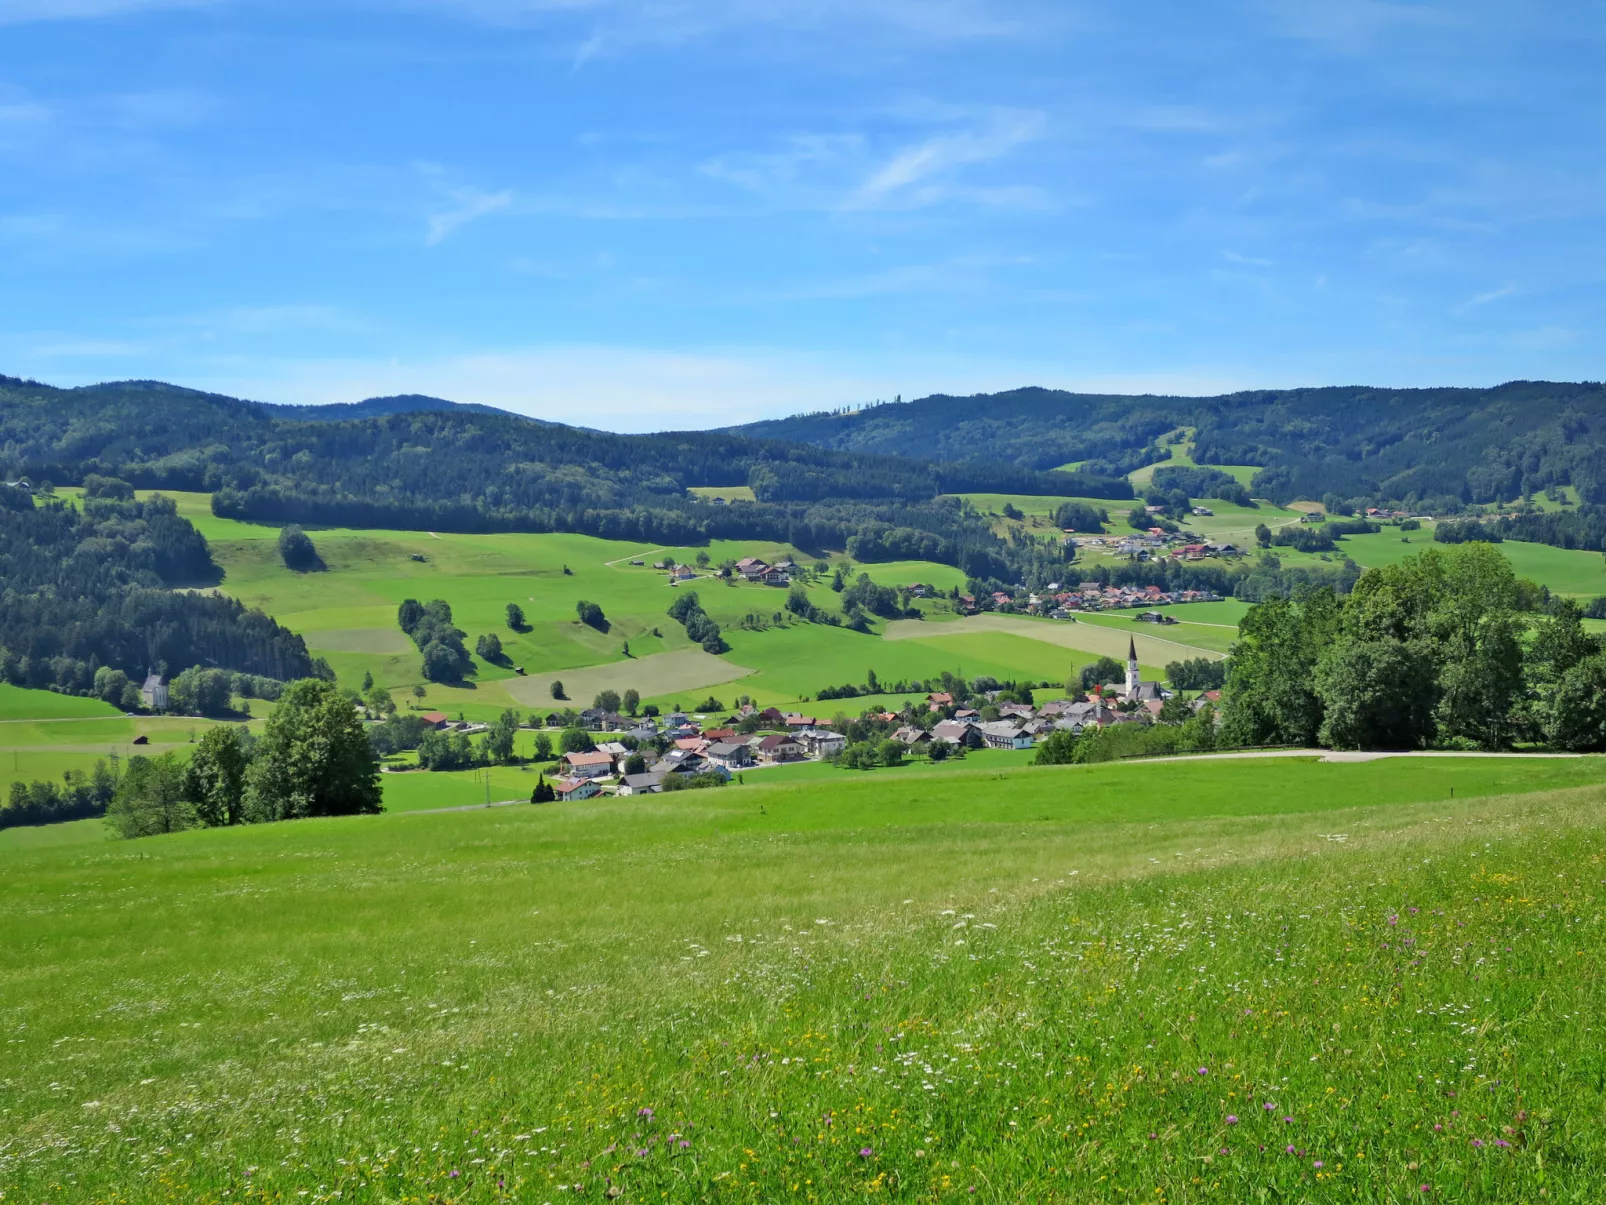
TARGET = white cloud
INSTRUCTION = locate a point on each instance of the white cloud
(472, 205)
(912, 177)
(1481, 299)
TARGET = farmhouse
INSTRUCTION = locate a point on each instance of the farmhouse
(1004, 735)
(641, 784)
(779, 749)
(435, 719)
(589, 765)
(574, 788)
(956, 733)
(913, 738)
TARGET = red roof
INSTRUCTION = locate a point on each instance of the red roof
(588, 759)
(434, 717)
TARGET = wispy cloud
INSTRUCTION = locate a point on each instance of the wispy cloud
(471, 205)
(635, 21)
(1481, 299)
(1354, 25)
(1248, 261)
(17, 12)
(914, 176)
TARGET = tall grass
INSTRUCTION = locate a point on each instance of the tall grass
(978, 990)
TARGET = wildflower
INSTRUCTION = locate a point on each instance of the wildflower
(865, 1152)
(1425, 1188)
(1289, 1120)
(644, 1112)
(1269, 1107)
(1316, 1163)
(1232, 1119)
(455, 1174)
(1290, 1150)
(1203, 1071)
(1151, 1134)
(1477, 1142)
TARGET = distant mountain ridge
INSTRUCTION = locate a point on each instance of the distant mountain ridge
(1433, 447)
(378, 407)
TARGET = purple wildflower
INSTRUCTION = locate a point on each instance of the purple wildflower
(1316, 1163)
(1203, 1071)
(644, 1112)
(865, 1152)
(1232, 1119)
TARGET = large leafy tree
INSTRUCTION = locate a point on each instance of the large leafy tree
(1376, 694)
(150, 799)
(214, 780)
(313, 759)
(1271, 692)
(1578, 719)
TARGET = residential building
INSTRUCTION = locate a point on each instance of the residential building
(913, 738)
(435, 719)
(820, 742)
(567, 789)
(731, 755)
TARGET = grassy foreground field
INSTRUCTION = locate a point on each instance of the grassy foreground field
(1208, 981)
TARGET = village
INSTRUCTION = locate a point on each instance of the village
(645, 755)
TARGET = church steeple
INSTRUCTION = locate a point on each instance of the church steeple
(1131, 668)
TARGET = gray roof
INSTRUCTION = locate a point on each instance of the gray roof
(642, 782)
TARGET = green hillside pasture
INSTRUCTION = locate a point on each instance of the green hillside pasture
(1217, 638)
(730, 493)
(18, 703)
(1230, 523)
(1227, 613)
(47, 836)
(680, 673)
(348, 613)
(801, 659)
(1091, 640)
(1004, 982)
(1567, 571)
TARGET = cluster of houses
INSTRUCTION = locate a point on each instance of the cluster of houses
(1091, 596)
(696, 751)
(1156, 543)
(724, 752)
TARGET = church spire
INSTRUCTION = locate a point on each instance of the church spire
(1132, 676)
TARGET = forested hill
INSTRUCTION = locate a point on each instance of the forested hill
(481, 470)
(1433, 448)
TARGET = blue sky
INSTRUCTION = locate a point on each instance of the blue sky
(639, 214)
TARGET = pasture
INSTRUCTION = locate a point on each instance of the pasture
(1201, 981)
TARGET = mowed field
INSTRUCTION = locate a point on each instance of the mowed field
(1233, 980)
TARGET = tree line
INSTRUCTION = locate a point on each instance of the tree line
(89, 588)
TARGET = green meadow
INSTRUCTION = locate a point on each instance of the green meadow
(1203, 981)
